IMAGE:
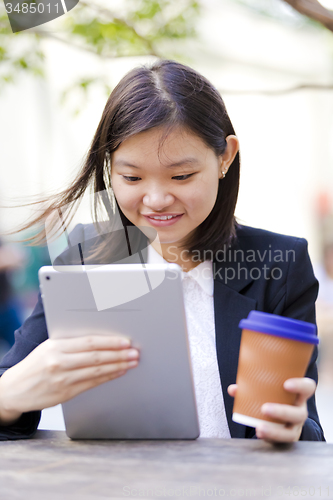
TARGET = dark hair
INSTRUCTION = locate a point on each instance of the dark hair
(166, 94)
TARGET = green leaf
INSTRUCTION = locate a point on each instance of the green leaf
(141, 28)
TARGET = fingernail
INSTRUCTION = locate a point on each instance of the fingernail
(125, 343)
(132, 363)
(132, 354)
(267, 408)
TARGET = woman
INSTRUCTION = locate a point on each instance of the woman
(167, 147)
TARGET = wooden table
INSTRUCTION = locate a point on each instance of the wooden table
(51, 466)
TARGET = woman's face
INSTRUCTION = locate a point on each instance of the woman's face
(173, 187)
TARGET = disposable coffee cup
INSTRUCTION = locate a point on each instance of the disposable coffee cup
(273, 349)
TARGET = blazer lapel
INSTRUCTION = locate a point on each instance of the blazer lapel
(230, 307)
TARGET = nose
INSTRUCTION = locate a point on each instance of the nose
(158, 198)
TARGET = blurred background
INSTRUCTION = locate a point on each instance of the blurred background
(273, 65)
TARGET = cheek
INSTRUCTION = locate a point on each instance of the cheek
(126, 198)
(203, 197)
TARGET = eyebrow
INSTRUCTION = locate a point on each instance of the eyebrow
(183, 161)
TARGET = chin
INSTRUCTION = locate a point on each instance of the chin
(170, 241)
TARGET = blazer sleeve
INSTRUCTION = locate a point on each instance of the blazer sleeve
(32, 333)
(298, 302)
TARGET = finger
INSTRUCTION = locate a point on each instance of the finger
(274, 433)
(85, 385)
(286, 413)
(92, 343)
(93, 373)
(73, 361)
(232, 389)
(304, 388)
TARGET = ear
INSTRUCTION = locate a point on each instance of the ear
(229, 154)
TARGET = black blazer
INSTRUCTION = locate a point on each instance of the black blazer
(262, 270)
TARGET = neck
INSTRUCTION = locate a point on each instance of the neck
(176, 255)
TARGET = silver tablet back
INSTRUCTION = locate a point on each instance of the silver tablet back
(154, 400)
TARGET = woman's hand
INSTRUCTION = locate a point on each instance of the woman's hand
(292, 416)
(59, 369)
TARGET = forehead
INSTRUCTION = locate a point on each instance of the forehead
(168, 148)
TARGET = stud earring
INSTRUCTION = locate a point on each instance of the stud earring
(223, 174)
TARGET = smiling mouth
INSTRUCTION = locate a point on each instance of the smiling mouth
(162, 217)
(161, 220)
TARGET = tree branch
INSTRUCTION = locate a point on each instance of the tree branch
(112, 17)
(296, 88)
(314, 10)
(48, 34)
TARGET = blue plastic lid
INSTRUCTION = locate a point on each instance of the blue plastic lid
(280, 326)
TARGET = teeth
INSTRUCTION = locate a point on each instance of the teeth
(163, 217)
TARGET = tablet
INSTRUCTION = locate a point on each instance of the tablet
(143, 302)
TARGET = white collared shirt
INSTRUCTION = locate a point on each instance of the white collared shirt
(198, 288)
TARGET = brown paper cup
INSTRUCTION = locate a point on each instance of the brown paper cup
(266, 361)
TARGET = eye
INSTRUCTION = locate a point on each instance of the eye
(130, 178)
(182, 177)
